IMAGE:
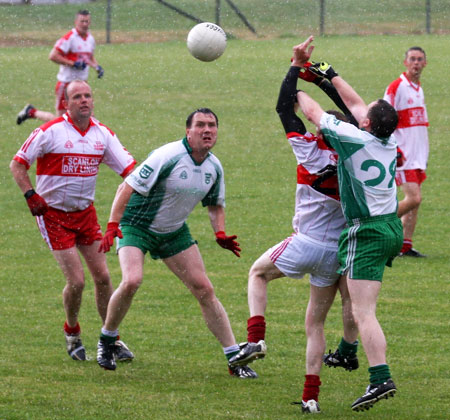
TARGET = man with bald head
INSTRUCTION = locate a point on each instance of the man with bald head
(68, 151)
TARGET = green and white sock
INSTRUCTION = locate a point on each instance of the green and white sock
(231, 351)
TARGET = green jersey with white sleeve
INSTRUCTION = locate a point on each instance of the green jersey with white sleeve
(366, 169)
(169, 184)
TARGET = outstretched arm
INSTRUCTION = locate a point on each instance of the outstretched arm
(352, 100)
(286, 103)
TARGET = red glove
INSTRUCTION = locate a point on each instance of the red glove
(228, 242)
(305, 74)
(112, 230)
(400, 157)
(38, 206)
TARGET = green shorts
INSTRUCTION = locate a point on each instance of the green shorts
(160, 245)
(368, 245)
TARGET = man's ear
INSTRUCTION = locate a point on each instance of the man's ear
(64, 103)
(365, 123)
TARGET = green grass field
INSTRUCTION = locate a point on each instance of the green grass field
(179, 371)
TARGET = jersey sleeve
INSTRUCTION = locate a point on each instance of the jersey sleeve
(156, 167)
(117, 157)
(32, 148)
(285, 104)
(63, 44)
(216, 195)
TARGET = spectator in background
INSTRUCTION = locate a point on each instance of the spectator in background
(405, 94)
(74, 52)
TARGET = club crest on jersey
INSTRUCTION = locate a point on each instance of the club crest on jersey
(99, 145)
(183, 175)
(68, 145)
(208, 178)
(145, 172)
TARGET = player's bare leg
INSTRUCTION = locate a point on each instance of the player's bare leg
(189, 268)
(72, 268)
(262, 271)
(131, 262)
(364, 295)
(348, 320)
(96, 263)
(412, 199)
(44, 115)
(320, 301)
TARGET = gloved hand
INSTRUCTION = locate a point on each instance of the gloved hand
(307, 75)
(38, 206)
(79, 65)
(112, 230)
(322, 69)
(228, 242)
(100, 71)
(400, 157)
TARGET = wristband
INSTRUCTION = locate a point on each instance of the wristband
(29, 193)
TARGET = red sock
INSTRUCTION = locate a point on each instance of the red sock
(311, 388)
(72, 330)
(256, 328)
(407, 245)
(32, 112)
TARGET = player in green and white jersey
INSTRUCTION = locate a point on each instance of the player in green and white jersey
(366, 172)
(152, 206)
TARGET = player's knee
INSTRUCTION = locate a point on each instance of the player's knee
(204, 292)
(76, 285)
(130, 285)
(102, 279)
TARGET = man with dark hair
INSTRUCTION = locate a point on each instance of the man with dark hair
(74, 52)
(152, 206)
(311, 249)
(406, 95)
(366, 171)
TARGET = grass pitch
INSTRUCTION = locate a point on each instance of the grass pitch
(179, 371)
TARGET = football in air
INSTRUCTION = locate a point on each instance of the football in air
(206, 41)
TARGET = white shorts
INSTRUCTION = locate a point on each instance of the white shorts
(299, 255)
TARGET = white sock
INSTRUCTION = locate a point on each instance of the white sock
(108, 333)
(232, 349)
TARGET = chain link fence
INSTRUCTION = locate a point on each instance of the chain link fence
(160, 20)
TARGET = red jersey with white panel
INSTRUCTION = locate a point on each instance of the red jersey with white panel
(68, 161)
(75, 47)
(412, 130)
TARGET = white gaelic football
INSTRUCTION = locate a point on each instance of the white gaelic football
(206, 41)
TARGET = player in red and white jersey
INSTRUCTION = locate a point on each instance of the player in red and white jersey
(68, 151)
(74, 52)
(406, 95)
(311, 249)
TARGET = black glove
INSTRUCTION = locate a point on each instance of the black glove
(79, 65)
(322, 69)
(100, 71)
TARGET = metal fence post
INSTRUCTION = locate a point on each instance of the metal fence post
(428, 13)
(108, 22)
(322, 16)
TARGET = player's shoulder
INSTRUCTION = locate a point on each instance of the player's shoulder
(394, 85)
(68, 35)
(51, 124)
(102, 126)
